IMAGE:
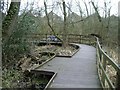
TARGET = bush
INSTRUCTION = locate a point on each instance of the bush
(16, 46)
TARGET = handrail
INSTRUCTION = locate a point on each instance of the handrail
(103, 60)
(71, 38)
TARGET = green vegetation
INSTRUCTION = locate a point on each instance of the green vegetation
(18, 79)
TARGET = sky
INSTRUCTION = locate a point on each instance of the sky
(57, 9)
(119, 9)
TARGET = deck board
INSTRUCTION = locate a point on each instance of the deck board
(80, 71)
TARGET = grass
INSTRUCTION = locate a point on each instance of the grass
(14, 77)
(113, 53)
(59, 50)
(18, 79)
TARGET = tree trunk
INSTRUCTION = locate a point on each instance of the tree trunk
(48, 22)
(118, 83)
(64, 28)
(9, 22)
(101, 33)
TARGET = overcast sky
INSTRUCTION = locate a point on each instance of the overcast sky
(57, 10)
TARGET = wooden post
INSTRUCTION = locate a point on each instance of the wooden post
(118, 74)
(118, 81)
(100, 56)
(97, 50)
(46, 37)
(104, 66)
(80, 39)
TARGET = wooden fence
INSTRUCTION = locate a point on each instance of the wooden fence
(103, 61)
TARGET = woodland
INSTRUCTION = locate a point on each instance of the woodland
(18, 25)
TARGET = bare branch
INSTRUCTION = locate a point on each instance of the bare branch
(79, 20)
(80, 9)
(96, 10)
(48, 21)
(86, 7)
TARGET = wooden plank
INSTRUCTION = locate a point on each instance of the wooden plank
(104, 67)
(77, 72)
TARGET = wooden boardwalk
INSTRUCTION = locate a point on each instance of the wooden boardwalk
(80, 71)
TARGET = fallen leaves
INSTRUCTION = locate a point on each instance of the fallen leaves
(59, 50)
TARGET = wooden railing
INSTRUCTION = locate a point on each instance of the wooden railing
(71, 38)
(103, 60)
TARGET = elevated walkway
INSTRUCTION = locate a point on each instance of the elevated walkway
(80, 71)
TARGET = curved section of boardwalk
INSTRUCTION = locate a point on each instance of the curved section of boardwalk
(80, 71)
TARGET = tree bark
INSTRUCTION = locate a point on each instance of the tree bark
(64, 28)
(118, 83)
(9, 22)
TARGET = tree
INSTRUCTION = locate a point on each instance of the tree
(64, 28)
(86, 7)
(8, 26)
(81, 15)
(48, 22)
(118, 84)
(107, 11)
(99, 18)
(9, 22)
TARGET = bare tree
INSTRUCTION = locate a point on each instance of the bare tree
(81, 14)
(99, 18)
(107, 11)
(69, 7)
(86, 7)
(64, 28)
(48, 22)
(80, 9)
(64, 41)
(96, 10)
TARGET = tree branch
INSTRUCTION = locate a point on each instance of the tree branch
(99, 17)
(48, 22)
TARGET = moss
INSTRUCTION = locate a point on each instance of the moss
(10, 17)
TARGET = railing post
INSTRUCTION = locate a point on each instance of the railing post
(79, 38)
(89, 40)
(118, 81)
(104, 66)
(46, 37)
(118, 73)
(97, 50)
(100, 56)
